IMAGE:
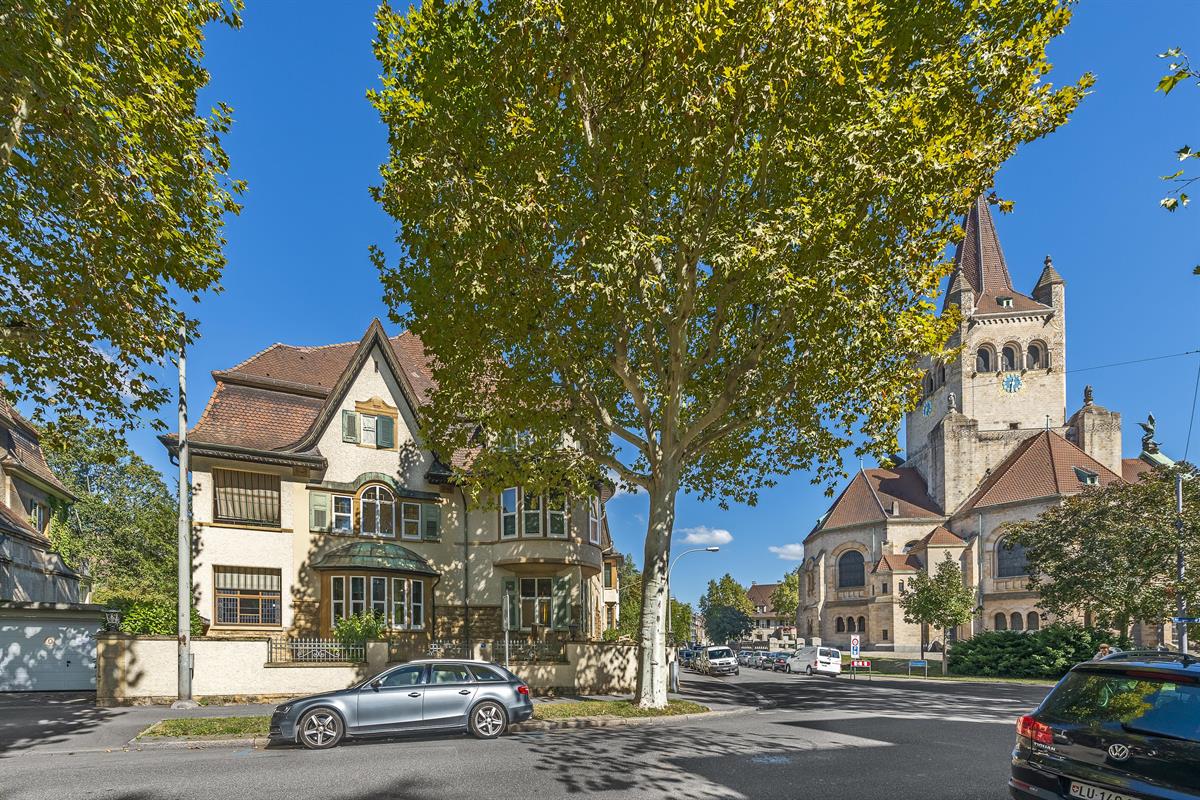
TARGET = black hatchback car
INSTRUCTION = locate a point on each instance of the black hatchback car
(1123, 728)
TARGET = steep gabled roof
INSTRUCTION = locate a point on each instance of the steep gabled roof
(1044, 465)
(20, 439)
(979, 259)
(1134, 469)
(760, 594)
(897, 562)
(870, 494)
(940, 537)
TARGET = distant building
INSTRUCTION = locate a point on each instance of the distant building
(989, 443)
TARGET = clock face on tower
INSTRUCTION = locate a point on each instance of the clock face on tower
(1012, 383)
(926, 408)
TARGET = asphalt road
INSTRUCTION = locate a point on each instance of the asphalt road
(826, 739)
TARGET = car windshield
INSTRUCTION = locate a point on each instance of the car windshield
(1140, 701)
(720, 652)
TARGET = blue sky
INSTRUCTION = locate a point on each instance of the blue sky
(309, 145)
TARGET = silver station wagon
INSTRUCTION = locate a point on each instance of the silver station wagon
(419, 696)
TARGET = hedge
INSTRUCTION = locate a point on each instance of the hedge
(1045, 653)
(156, 618)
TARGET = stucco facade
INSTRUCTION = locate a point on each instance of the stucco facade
(360, 517)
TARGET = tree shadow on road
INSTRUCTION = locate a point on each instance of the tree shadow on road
(31, 719)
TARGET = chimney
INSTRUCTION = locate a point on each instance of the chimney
(895, 508)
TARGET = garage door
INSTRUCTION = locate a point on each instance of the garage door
(47, 655)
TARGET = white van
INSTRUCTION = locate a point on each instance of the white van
(813, 660)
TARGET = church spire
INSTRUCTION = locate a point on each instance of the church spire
(979, 256)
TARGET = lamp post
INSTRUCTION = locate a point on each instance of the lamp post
(674, 671)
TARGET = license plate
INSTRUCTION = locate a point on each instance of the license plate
(1089, 792)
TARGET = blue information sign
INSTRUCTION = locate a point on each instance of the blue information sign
(918, 663)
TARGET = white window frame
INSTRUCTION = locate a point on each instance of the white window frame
(416, 610)
(515, 513)
(538, 602)
(402, 585)
(334, 514)
(337, 600)
(350, 595)
(378, 600)
(553, 513)
(404, 520)
(537, 515)
(379, 517)
(362, 429)
(594, 520)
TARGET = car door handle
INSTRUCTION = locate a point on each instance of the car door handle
(464, 691)
(414, 694)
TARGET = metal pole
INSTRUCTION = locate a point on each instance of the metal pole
(185, 542)
(1181, 607)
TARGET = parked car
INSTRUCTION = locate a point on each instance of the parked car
(687, 658)
(419, 696)
(1124, 727)
(761, 659)
(815, 660)
(744, 657)
(779, 662)
(717, 660)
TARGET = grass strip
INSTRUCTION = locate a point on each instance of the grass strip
(570, 709)
(206, 727)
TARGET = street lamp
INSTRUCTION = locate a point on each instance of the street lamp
(674, 670)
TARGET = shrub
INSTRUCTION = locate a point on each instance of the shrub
(359, 628)
(1046, 653)
(155, 618)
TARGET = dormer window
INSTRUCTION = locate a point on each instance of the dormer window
(1005, 302)
(1087, 477)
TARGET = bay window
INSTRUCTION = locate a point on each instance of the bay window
(358, 595)
(556, 515)
(379, 603)
(337, 598)
(531, 515)
(399, 601)
(508, 513)
(594, 520)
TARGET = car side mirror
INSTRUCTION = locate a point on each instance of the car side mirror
(375, 684)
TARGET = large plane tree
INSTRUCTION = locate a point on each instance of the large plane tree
(701, 239)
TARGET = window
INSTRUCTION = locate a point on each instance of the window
(1032, 621)
(410, 523)
(1015, 623)
(610, 575)
(531, 515)
(248, 498)
(840, 625)
(1008, 358)
(358, 595)
(556, 515)
(508, 513)
(379, 603)
(411, 675)
(416, 590)
(1034, 357)
(1010, 560)
(1141, 702)
(1087, 477)
(941, 375)
(594, 520)
(610, 616)
(337, 598)
(852, 570)
(537, 601)
(246, 596)
(486, 674)
(1004, 302)
(883, 588)
(862, 624)
(366, 430)
(850, 628)
(884, 634)
(901, 586)
(431, 521)
(983, 359)
(378, 512)
(810, 628)
(39, 513)
(343, 513)
(1001, 621)
(449, 673)
(399, 603)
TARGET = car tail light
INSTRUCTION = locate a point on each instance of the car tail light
(523, 689)
(1030, 728)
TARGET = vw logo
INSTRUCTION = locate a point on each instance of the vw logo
(1118, 752)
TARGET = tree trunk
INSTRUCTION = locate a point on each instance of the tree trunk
(652, 667)
(945, 651)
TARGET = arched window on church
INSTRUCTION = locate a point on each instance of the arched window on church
(852, 570)
(1001, 621)
(984, 359)
(1008, 359)
(941, 374)
(1011, 561)
(1035, 357)
(1032, 621)
(1016, 622)
(862, 624)
(927, 385)
(850, 625)
(840, 625)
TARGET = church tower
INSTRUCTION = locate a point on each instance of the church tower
(1009, 379)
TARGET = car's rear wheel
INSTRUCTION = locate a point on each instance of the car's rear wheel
(787, 670)
(808, 670)
(488, 720)
(321, 729)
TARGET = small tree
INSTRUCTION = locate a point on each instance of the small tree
(786, 597)
(681, 622)
(726, 593)
(1110, 553)
(942, 600)
(724, 624)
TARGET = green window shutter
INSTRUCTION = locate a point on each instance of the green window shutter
(431, 522)
(318, 511)
(349, 426)
(562, 603)
(385, 432)
(514, 603)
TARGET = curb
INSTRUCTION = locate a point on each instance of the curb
(257, 743)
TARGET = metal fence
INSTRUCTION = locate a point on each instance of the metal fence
(526, 652)
(311, 650)
(401, 650)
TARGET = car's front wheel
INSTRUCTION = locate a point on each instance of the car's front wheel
(808, 670)
(488, 720)
(787, 670)
(321, 729)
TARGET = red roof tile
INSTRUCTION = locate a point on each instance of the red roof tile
(941, 537)
(897, 562)
(979, 259)
(1044, 465)
(1134, 469)
(870, 494)
(260, 419)
(14, 523)
(20, 439)
(760, 594)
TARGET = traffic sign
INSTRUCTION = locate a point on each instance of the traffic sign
(918, 663)
(861, 663)
(854, 642)
(1188, 620)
